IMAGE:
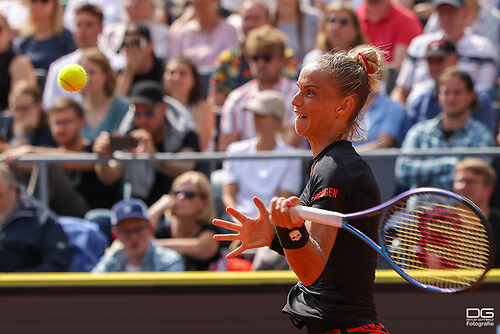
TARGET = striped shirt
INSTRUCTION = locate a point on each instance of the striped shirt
(437, 171)
(235, 120)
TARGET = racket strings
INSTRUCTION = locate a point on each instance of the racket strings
(436, 241)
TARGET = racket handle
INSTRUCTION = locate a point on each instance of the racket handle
(320, 216)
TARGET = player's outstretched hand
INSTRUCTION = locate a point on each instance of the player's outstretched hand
(252, 232)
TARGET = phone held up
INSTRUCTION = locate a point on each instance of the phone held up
(122, 143)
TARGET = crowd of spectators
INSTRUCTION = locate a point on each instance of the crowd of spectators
(167, 76)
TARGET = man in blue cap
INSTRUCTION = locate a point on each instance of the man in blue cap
(138, 251)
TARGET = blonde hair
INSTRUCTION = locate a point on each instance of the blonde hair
(353, 73)
(203, 186)
(57, 20)
(265, 39)
(478, 166)
(98, 58)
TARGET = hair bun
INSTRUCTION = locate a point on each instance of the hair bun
(369, 59)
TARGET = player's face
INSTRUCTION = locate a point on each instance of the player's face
(135, 234)
(188, 200)
(454, 97)
(178, 79)
(315, 106)
(8, 200)
(87, 30)
(472, 185)
(252, 16)
(340, 29)
(65, 127)
(96, 78)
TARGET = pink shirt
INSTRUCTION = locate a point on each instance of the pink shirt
(399, 26)
(203, 48)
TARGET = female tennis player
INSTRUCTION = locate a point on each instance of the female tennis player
(336, 269)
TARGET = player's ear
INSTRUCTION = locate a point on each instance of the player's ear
(345, 107)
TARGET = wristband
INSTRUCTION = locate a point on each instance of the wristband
(292, 238)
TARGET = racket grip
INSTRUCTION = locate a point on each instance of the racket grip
(320, 216)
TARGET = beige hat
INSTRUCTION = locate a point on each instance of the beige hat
(268, 102)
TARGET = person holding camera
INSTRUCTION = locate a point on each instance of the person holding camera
(153, 124)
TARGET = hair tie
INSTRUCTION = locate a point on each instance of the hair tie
(365, 61)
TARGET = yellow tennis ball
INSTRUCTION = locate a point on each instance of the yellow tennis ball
(72, 77)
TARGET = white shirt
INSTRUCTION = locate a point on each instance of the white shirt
(477, 56)
(263, 178)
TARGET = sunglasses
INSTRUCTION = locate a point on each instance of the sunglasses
(266, 58)
(186, 194)
(145, 113)
(435, 60)
(127, 233)
(42, 1)
(343, 21)
(136, 43)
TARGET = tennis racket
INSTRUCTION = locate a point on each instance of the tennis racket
(435, 239)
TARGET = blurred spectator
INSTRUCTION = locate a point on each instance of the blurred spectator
(263, 178)
(204, 36)
(475, 179)
(299, 23)
(477, 55)
(44, 37)
(266, 49)
(423, 104)
(16, 12)
(112, 11)
(32, 240)
(88, 21)
(75, 180)
(232, 65)
(13, 67)
(183, 221)
(142, 11)
(452, 128)
(390, 27)
(141, 60)
(182, 81)
(157, 125)
(339, 30)
(27, 124)
(104, 110)
(482, 19)
(138, 251)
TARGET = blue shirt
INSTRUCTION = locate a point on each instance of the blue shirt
(437, 171)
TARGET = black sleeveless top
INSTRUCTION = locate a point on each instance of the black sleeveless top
(5, 61)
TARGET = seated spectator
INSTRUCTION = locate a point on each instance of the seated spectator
(77, 181)
(453, 127)
(138, 251)
(32, 240)
(339, 30)
(141, 61)
(88, 23)
(104, 110)
(44, 37)
(204, 36)
(111, 9)
(14, 67)
(475, 179)
(266, 49)
(232, 68)
(389, 26)
(422, 104)
(477, 55)
(264, 178)
(158, 125)
(27, 124)
(142, 11)
(300, 24)
(482, 19)
(183, 221)
(182, 81)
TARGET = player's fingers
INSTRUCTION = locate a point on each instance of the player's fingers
(226, 237)
(235, 252)
(294, 217)
(226, 224)
(236, 214)
(262, 208)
